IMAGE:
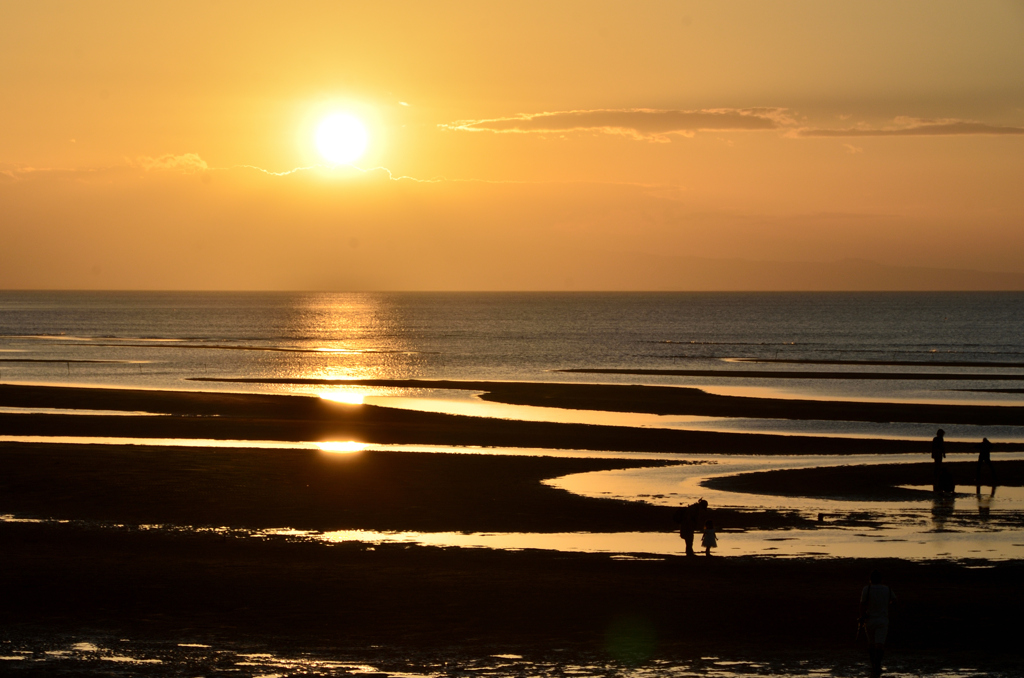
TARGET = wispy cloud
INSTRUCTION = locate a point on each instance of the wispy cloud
(647, 124)
(21, 173)
(277, 174)
(186, 162)
(914, 127)
(191, 163)
(134, 168)
(382, 171)
(644, 124)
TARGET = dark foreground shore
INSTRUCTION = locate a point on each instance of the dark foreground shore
(209, 588)
(108, 570)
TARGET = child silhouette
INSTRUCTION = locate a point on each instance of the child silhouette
(709, 539)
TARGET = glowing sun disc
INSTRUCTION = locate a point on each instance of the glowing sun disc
(341, 138)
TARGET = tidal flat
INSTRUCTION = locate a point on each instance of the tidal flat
(167, 547)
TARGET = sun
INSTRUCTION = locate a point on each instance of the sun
(341, 138)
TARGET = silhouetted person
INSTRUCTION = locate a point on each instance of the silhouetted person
(689, 517)
(875, 601)
(709, 540)
(985, 457)
(939, 446)
(938, 453)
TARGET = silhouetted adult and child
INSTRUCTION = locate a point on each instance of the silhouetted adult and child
(689, 519)
(876, 599)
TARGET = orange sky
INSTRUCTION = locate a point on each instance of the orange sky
(519, 145)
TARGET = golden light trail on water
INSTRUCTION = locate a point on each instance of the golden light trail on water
(342, 447)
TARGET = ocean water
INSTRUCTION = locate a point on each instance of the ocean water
(159, 338)
(969, 346)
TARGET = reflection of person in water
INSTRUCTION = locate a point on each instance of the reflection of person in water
(689, 518)
(875, 601)
(985, 505)
(942, 510)
(985, 458)
(938, 453)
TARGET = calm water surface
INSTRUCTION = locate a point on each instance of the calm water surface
(161, 340)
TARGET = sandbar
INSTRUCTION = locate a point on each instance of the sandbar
(680, 400)
(806, 374)
(231, 416)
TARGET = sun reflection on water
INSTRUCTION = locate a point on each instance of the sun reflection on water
(339, 447)
(344, 397)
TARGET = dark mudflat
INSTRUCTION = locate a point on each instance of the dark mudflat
(204, 587)
(103, 573)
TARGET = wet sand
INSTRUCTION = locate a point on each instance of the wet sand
(313, 490)
(889, 363)
(225, 416)
(870, 483)
(677, 400)
(101, 572)
(197, 587)
(809, 374)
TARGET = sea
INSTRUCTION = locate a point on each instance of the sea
(909, 347)
(103, 337)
